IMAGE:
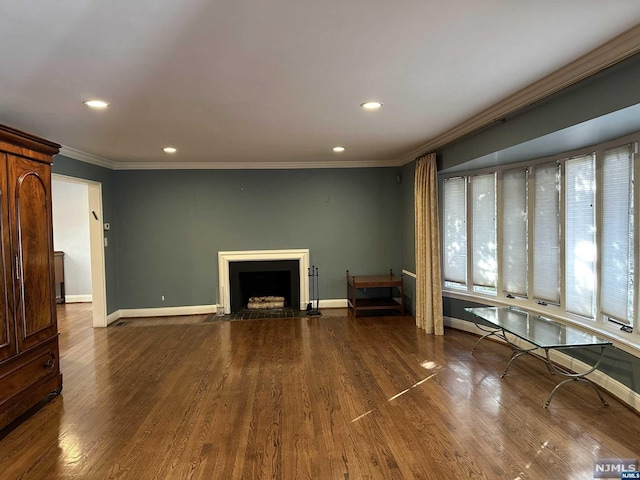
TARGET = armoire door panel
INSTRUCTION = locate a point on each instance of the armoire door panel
(29, 367)
(32, 251)
(7, 331)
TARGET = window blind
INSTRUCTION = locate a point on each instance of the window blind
(483, 191)
(580, 235)
(546, 233)
(514, 232)
(455, 230)
(616, 297)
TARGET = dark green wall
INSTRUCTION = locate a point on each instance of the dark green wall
(167, 226)
(74, 168)
(172, 223)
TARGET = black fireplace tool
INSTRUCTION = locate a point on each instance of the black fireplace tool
(315, 291)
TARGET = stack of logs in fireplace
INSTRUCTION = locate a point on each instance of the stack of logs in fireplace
(265, 303)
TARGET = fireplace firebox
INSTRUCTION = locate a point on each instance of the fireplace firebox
(249, 279)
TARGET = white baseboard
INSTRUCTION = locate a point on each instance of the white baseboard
(112, 317)
(194, 310)
(607, 383)
(78, 298)
(333, 303)
(167, 311)
(327, 303)
(160, 312)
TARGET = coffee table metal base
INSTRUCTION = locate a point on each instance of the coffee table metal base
(518, 351)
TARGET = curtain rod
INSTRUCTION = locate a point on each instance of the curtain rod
(424, 155)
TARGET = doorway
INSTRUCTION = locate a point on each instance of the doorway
(92, 210)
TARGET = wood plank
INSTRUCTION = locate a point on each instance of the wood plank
(307, 398)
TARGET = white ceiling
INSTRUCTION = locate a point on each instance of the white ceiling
(253, 83)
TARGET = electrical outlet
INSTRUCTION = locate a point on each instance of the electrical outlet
(162, 297)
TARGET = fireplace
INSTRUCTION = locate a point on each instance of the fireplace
(261, 262)
(250, 279)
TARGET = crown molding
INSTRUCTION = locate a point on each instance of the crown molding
(87, 157)
(110, 164)
(614, 51)
(252, 165)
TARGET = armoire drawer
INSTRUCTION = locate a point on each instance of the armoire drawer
(28, 369)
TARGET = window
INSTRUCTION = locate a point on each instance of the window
(580, 237)
(515, 239)
(455, 232)
(485, 267)
(546, 234)
(617, 235)
(557, 235)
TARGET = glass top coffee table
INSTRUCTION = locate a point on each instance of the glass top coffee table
(538, 332)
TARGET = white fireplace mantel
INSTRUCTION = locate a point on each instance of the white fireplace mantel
(300, 254)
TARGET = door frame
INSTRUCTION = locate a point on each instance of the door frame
(96, 244)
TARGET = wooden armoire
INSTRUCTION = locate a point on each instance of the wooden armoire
(29, 366)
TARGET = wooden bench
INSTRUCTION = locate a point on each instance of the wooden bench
(361, 282)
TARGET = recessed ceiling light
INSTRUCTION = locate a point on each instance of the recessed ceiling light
(338, 149)
(169, 150)
(96, 104)
(371, 105)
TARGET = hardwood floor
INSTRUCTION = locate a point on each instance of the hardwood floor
(314, 398)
